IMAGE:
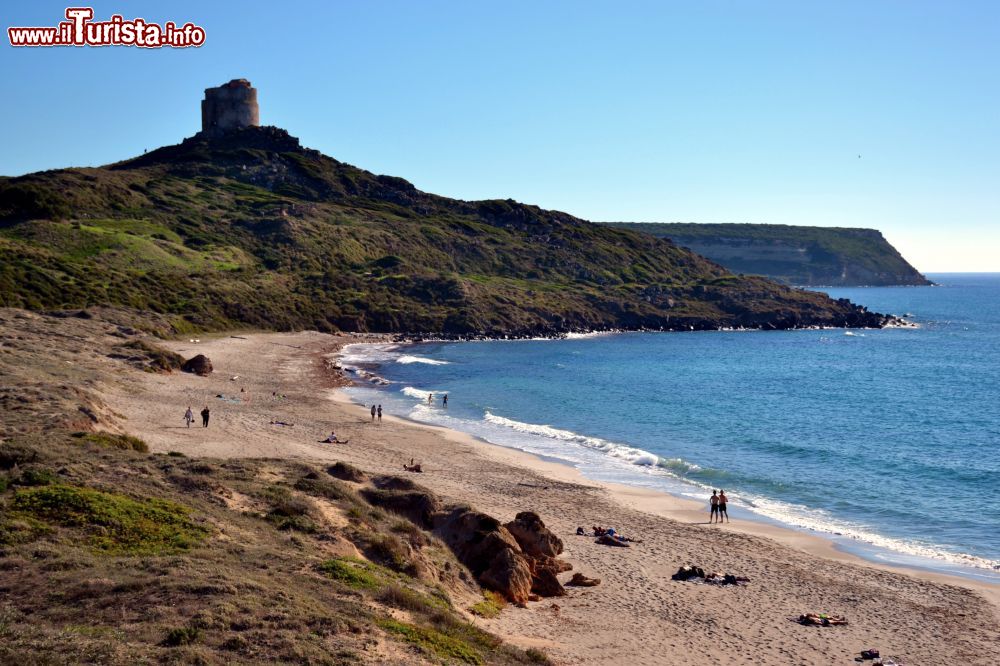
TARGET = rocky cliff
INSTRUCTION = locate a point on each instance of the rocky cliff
(806, 256)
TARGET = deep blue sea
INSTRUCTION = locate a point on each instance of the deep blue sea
(887, 441)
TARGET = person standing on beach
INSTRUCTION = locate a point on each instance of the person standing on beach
(188, 416)
(722, 506)
(373, 412)
(380, 413)
(714, 501)
(204, 417)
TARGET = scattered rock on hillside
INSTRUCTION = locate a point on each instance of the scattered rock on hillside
(199, 365)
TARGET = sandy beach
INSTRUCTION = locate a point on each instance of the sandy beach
(637, 615)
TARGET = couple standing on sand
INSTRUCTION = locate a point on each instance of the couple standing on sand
(718, 503)
(377, 411)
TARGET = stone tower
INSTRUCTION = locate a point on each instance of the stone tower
(229, 107)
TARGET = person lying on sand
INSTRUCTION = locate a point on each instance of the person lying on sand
(412, 467)
(282, 423)
(608, 540)
(821, 620)
(332, 439)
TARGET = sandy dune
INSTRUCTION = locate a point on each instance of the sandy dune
(637, 615)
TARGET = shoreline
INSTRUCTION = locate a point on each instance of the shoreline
(680, 509)
(828, 544)
(637, 610)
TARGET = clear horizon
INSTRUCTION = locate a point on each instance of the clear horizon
(851, 115)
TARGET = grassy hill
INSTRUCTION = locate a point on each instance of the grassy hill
(253, 230)
(821, 256)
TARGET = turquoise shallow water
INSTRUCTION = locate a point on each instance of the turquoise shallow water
(885, 440)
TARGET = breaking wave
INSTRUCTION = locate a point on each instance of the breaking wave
(407, 359)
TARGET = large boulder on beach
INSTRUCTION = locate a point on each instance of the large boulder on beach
(474, 537)
(199, 365)
(534, 538)
(489, 551)
(509, 574)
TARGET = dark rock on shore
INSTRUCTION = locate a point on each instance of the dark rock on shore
(199, 365)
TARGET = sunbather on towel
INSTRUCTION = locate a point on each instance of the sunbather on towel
(821, 620)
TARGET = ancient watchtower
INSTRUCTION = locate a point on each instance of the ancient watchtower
(230, 106)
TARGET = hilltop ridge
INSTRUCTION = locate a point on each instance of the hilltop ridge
(251, 229)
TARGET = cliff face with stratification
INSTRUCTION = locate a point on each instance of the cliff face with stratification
(806, 256)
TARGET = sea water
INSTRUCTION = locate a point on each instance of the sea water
(884, 440)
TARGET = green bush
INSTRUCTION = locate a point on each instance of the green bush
(118, 525)
(110, 440)
(290, 511)
(355, 573)
(36, 477)
(490, 606)
(182, 636)
(433, 642)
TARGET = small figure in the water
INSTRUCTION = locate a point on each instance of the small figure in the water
(444, 400)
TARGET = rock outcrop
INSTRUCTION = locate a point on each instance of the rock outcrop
(199, 365)
(517, 560)
(534, 538)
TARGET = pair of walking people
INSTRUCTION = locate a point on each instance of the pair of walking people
(189, 417)
(718, 503)
(377, 411)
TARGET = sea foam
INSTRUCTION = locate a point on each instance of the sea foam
(621, 451)
(407, 359)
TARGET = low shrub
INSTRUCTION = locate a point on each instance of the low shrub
(355, 573)
(399, 596)
(182, 636)
(36, 477)
(536, 656)
(327, 488)
(118, 525)
(346, 472)
(110, 440)
(390, 549)
(15, 455)
(490, 606)
(433, 642)
(290, 511)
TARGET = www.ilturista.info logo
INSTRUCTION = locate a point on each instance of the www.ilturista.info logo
(80, 30)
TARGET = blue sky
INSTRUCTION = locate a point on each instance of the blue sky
(642, 111)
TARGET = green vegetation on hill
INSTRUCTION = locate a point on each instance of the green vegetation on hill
(820, 256)
(253, 230)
